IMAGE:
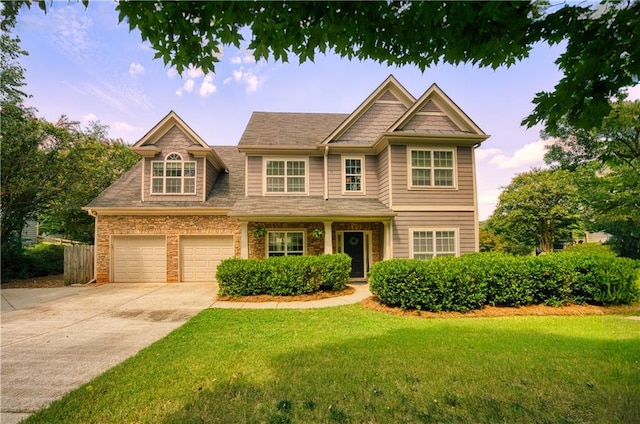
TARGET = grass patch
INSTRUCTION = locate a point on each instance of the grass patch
(352, 365)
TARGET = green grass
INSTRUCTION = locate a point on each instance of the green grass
(353, 365)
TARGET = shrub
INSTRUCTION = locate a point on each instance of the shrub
(44, 259)
(283, 276)
(471, 281)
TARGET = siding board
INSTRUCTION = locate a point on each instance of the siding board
(254, 176)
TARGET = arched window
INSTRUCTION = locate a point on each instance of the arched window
(173, 175)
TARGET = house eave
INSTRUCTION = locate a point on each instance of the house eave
(209, 155)
(385, 139)
(149, 211)
(270, 150)
(307, 218)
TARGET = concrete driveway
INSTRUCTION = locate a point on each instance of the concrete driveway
(54, 340)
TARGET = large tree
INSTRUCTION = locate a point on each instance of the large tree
(602, 54)
(537, 208)
(606, 162)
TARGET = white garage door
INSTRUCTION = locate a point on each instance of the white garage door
(200, 256)
(139, 259)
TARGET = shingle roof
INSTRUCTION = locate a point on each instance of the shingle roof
(125, 192)
(287, 129)
(308, 207)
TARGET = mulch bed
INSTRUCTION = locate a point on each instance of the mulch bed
(494, 311)
(300, 298)
(49, 281)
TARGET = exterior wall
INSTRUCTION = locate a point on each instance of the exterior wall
(432, 122)
(315, 175)
(374, 121)
(212, 176)
(173, 141)
(383, 177)
(335, 173)
(462, 195)
(464, 222)
(170, 226)
(258, 247)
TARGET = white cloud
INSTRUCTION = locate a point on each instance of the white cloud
(89, 117)
(72, 31)
(227, 80)
(123, 126)
(136, 69)
(188, 85)
(249, 78)
(248, 57)
(207, 88)
(236, 60)
(634, 93)
(193, 73)
(482, 153)
(172, 73)
(531, 154)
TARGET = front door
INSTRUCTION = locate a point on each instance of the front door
(354, 247)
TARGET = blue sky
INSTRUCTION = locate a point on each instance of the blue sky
(85, 65)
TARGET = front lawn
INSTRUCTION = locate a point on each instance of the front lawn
(354, 365)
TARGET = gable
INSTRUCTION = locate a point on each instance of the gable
(378, 111)
(433, 112)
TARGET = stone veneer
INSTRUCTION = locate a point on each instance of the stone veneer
(170, 226)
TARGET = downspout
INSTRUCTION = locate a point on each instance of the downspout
(94, 214)
(326, 177)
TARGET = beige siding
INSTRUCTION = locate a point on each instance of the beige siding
(254, 176)
(430, 106)
(334, 171)
(212, 176)
(316, 176)
(463, 222)
(388, 95)
(173, 141)
(431, 122)
(462, 196)
(377, 119)
(371, 175)
(383, 177)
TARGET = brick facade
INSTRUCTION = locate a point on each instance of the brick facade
(170, 226)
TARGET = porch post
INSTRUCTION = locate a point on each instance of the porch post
(244, 240)
(328, 238)
(387, 252)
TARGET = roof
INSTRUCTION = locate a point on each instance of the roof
(309, 207)
(286, 129)
(125, 192)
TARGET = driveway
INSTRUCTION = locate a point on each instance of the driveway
(54, 340)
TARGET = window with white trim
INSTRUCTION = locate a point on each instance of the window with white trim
(353, 175)
(285, 243)
(428, 244)
(285, 176)
(432, 168)
(173, 175)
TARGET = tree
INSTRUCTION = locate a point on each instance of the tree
(606, 162)
(537, 209)
(90, 163)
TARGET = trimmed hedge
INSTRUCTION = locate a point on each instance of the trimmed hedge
(283, 276)
(471, 281)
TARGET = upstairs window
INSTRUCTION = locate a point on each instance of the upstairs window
(285, 176)
(432, 168)
(173, 176)
(352, 175)
(428, 244)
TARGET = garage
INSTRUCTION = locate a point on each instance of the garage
(139, 259)
(200, 256)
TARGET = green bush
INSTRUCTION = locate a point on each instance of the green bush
(283, 276)
(471, 281)
(38, 261)
(443, 284)
(44, 259)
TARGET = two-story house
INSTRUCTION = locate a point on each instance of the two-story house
(393, 179)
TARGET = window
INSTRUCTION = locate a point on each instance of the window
(428, 244)
(285, 176)
(285, 243)
(432, 168)
(173, 176)
(353, 175)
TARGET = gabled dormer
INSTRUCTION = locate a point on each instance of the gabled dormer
(177, 165)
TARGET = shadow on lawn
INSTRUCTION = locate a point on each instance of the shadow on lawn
(444, 373)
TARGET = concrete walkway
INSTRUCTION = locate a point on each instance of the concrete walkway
(54, 340)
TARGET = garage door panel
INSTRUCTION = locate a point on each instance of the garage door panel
(139, 259)
(200, 256)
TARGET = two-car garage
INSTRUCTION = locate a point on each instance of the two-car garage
(144, 258)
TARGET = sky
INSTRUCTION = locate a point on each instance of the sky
(83, 64)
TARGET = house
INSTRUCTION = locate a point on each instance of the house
(393, 179)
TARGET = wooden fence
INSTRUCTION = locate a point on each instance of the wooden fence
(78, 264)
